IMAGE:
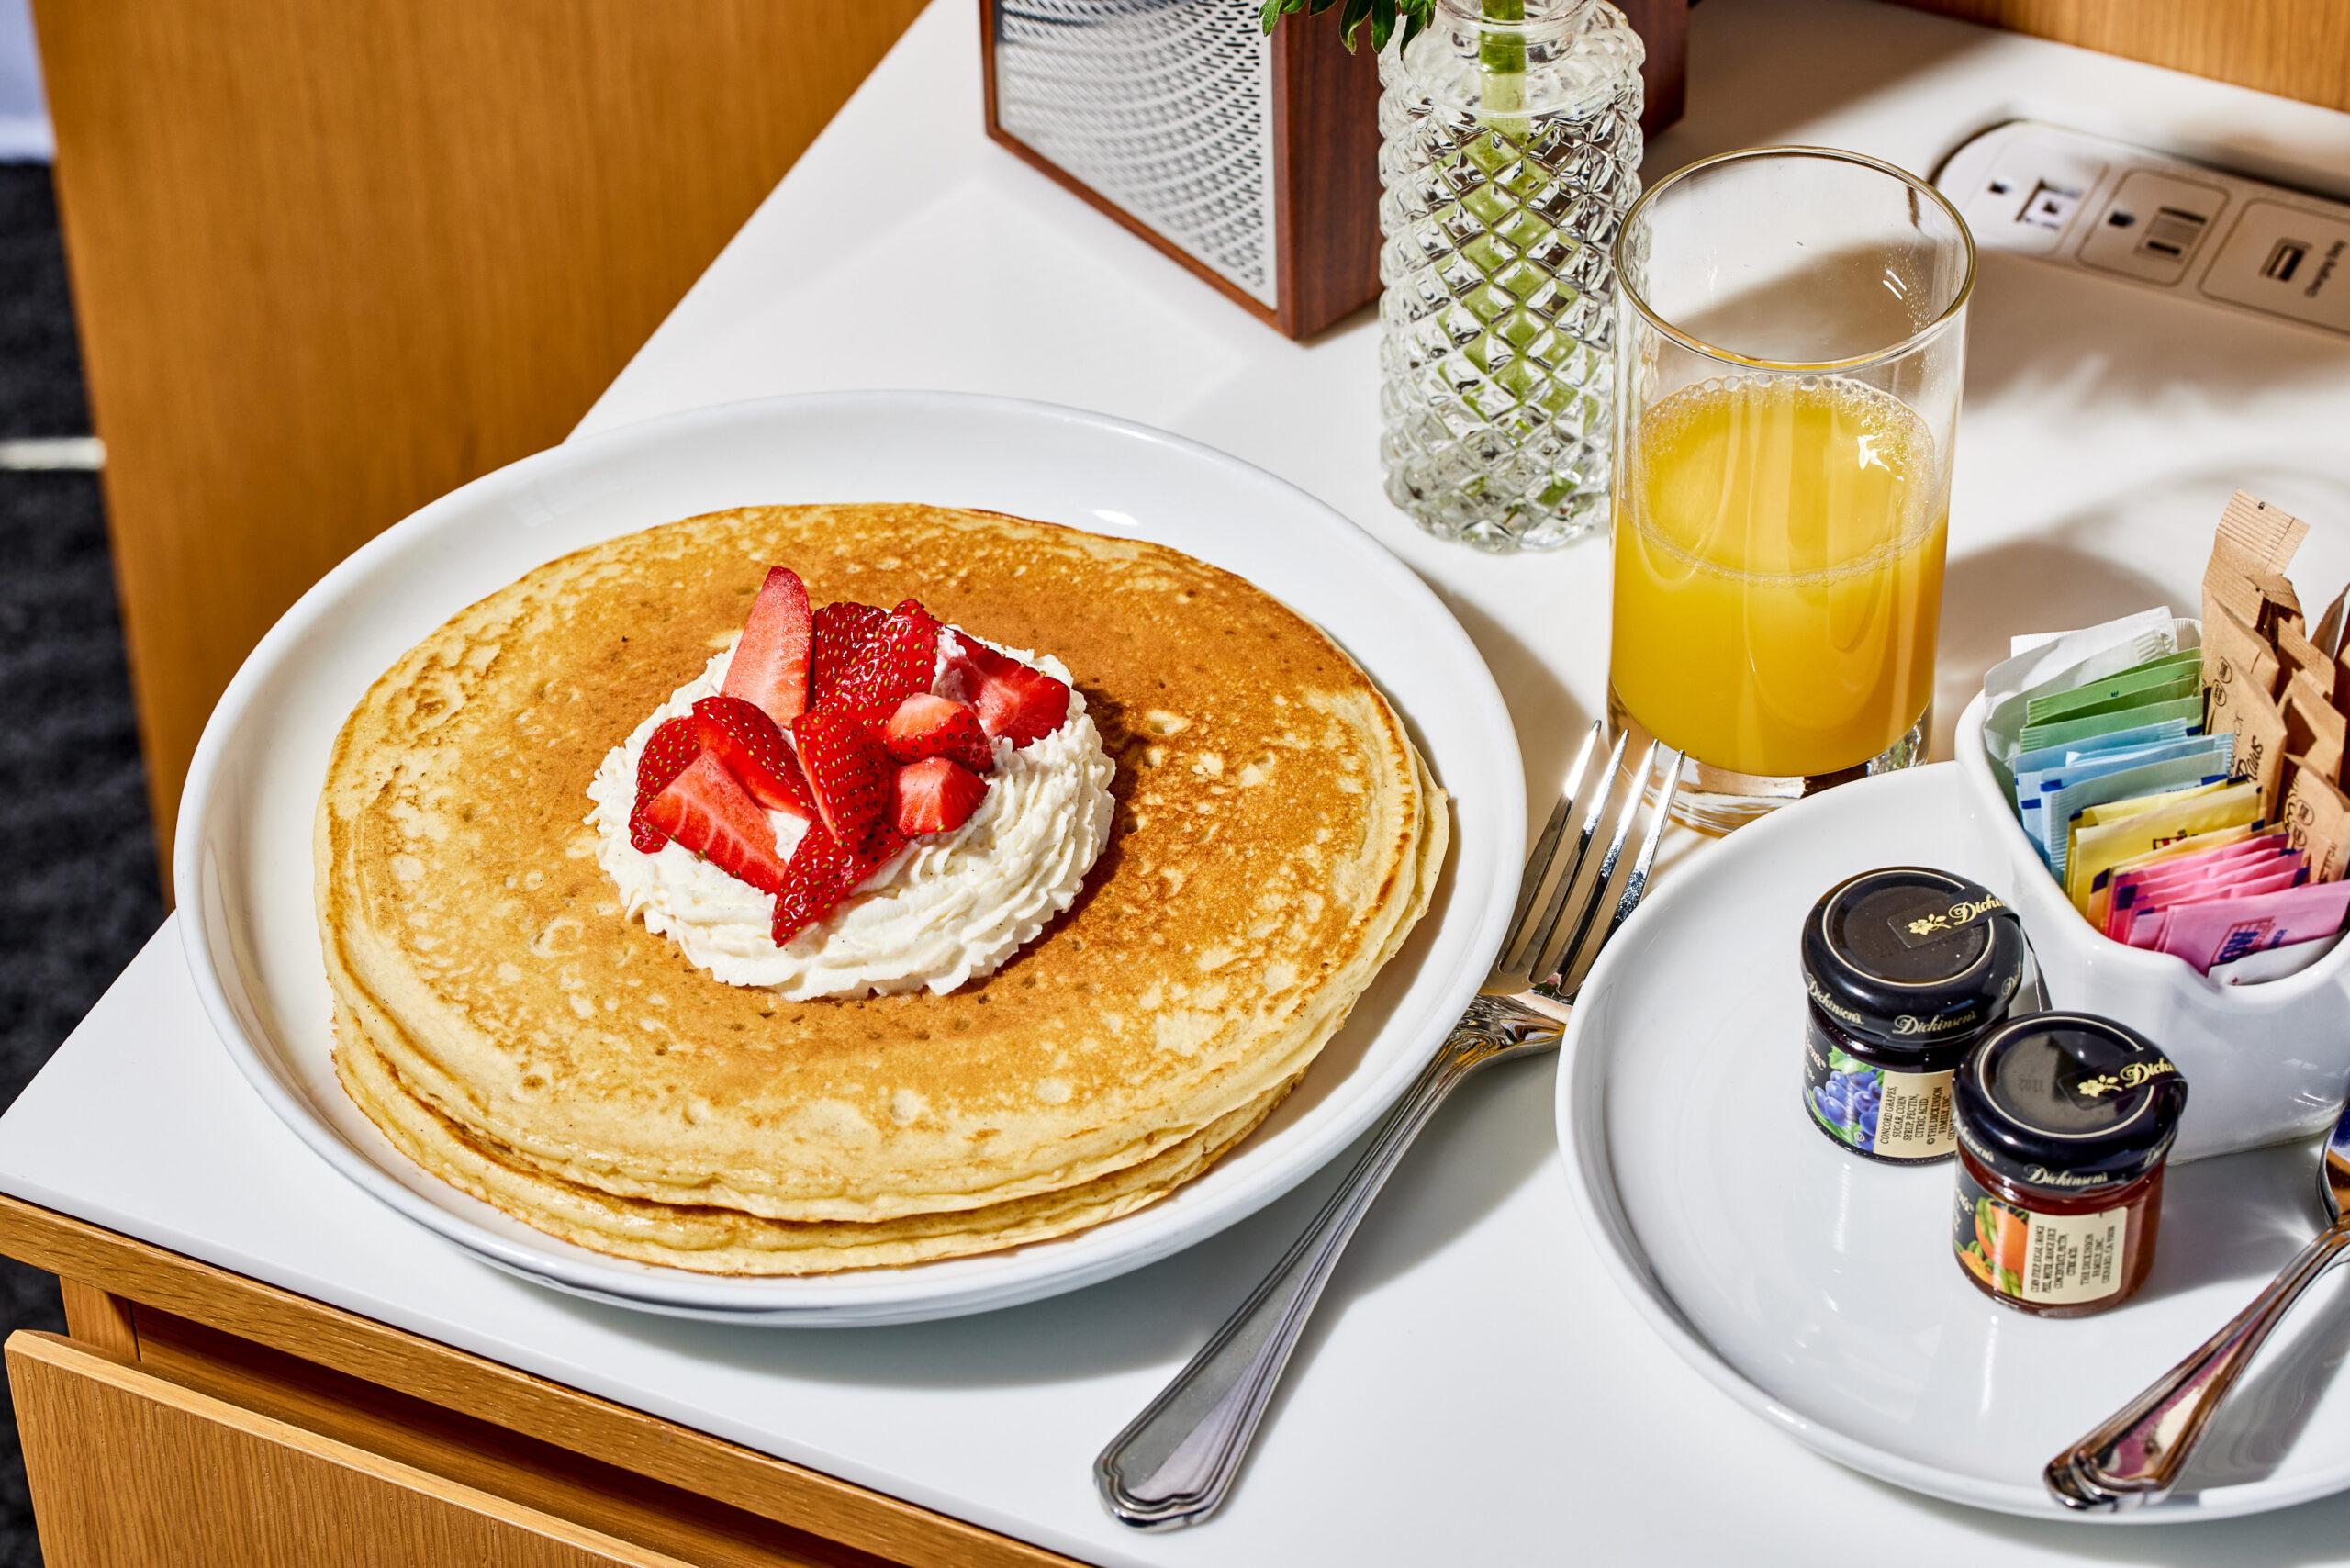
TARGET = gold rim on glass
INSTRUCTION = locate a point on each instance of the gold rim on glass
(1833, 154)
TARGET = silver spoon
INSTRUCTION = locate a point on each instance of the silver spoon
(2135, 1458)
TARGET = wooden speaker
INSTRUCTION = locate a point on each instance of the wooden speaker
(1253, 160)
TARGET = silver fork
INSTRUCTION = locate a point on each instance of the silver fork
(1174, 1465)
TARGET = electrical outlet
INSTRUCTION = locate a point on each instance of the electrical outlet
(2088, 201)
(2287, 260)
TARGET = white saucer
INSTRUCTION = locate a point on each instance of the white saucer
(241, 865)
(1818, 1289)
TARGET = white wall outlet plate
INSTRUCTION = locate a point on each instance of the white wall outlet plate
(2111, 207)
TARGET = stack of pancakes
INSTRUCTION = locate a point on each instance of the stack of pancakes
(506, 1026)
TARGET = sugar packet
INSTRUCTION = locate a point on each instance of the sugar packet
(2317, 822)
(2223, 930)
(2099, 696)
(2186, 704)
(2135, 827)
(2059, 810)
(2065, 659)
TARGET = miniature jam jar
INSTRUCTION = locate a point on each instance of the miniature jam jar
(2063, 1121)
(1906, 968)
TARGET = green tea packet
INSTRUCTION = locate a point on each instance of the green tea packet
(2081, 700)
(2186, 704)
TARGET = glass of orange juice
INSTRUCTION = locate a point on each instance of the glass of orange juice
(1791, 339)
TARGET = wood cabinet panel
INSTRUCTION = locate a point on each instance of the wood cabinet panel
(531, 1472)
(2296, 49)
(516, 1402)
(129, 1469)
(333, 258)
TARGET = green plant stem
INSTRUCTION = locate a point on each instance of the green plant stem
(1500, 61)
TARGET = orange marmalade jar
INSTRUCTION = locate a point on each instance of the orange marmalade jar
(2063, 1121)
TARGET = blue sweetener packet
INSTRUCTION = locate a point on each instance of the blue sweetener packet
(2060, 808)
(2118, 740)
(2034, 788)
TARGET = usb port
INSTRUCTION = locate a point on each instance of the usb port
(2172, 233)
(2285, 260)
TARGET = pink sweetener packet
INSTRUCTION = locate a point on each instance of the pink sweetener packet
(2138, 890)
(2258, 848)
(2220, 930)
(2144, 928)
(2227, 855)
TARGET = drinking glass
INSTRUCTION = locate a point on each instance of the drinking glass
(1791, 343)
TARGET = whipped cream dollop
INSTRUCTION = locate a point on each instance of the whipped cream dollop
(950, 908)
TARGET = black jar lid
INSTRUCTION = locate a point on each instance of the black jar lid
(1911, 957)
(2067, 1101)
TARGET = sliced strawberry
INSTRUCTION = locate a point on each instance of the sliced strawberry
(925, 726)
(746, 741)
(840, 634)
(936, 796)
(1014, 702)
(848, 772)
(822, 876)
(769, 669)
(900, 660)
(669, 752)
(707, 811)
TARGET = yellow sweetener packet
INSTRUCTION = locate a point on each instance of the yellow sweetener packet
(2077, 889)
(2102, 846)
(2101, 888)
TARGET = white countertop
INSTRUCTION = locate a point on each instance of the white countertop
(1472, 1390)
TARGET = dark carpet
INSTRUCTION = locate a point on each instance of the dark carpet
(83, 894)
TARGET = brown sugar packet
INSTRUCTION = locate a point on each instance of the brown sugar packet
(2236, 660)
(2260, 753)
(2314, 732)
(2279, 605)
(2317, 821)
(2297, 650)
(2254, 540)
(2327, 634)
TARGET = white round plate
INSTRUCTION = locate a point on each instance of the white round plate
(1818, 1289)
(243, 868)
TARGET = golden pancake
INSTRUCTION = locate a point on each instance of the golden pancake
(1275, 837)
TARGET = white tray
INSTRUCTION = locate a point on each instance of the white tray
(1816, 1289)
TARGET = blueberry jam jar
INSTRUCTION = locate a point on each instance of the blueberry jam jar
(1906, 968)
(2065, 1120)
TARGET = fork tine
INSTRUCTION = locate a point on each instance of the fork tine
(1539, 863)
(1553, 971)
(1552, 912)
(1636, 886)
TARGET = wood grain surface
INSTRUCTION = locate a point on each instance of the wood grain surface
(2296, 49)
(526, 1471)
(97, 1318)
(333, 258)
(129, 1470)
(490, 1393)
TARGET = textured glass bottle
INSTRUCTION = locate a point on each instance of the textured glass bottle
(1511, 151)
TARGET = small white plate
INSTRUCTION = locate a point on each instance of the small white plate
(241, 865)
(1818, 1289)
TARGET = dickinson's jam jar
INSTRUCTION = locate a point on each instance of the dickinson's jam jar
(1906, 968)
(2064, 1122)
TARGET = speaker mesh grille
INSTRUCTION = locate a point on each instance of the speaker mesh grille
(1164, 106)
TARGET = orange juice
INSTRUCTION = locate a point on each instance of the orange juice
(1778, 572)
